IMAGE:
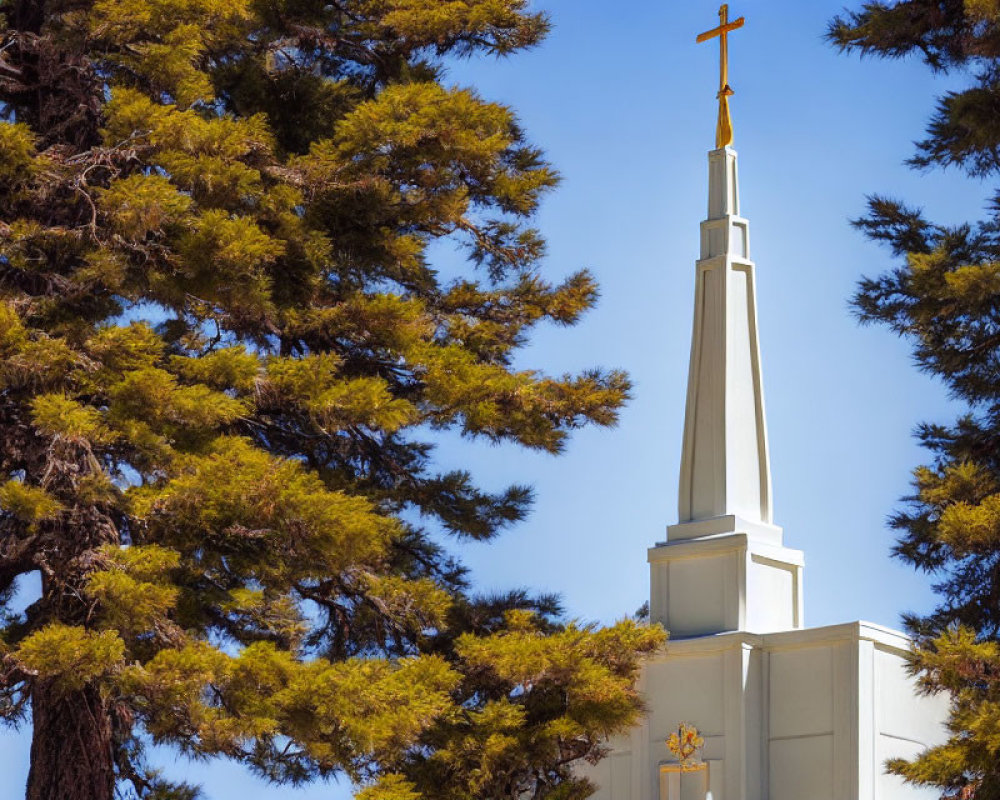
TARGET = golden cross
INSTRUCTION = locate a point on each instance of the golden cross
(724, 129)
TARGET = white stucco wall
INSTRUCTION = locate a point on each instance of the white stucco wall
(799, 715)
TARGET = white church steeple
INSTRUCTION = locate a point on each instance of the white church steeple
(723, 566)
(725, 478)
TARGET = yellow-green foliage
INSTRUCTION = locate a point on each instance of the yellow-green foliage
(226, 259)
(130, 19)
(334, 403)
(983, 10)
(36, 248)
(545, 688)
(495, 402)
(967, 506)
(58, 415)
(97, 489)
(17, 153)
(387, 322)
(40, 364)
(155, 397)
(525, 657)
(491, 736)
(425, 142)
(334, 711)
(215, 180)
(172, 64)
(134, 588)
(122, 349)
(170, 40)
(963, 482)
(436, 22)
(235, 246)
(142, 204)
(228, 368)
(267, 613)
(379, 707)
(169, 130)
(303, 378)
(12, 332)
(31, 504)
(71, 656)
(974, 280)
(104, 268)
(176, 679)
(457, 126)
(968, 528)
(422, 603)
(300, 528)
(390, 787)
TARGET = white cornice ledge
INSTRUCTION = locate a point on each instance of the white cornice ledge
(886, 638)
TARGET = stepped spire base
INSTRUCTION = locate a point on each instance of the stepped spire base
(726, 582)
(719, 526)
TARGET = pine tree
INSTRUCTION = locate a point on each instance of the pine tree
(224, 346)
(944, 297)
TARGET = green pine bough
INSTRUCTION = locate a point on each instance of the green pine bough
(223, 345)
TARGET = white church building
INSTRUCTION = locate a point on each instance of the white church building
(784, 712)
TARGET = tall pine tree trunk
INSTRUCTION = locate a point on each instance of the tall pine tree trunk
(71, 749)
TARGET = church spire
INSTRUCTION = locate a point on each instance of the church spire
(725, 467)
(723, 566)
(725, 480)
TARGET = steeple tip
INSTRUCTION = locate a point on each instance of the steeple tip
(724, 127)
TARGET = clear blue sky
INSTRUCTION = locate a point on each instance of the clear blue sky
(622, 99)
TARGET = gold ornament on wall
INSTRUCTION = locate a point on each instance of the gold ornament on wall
(686, 746)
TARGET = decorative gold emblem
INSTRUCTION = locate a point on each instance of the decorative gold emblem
(686, 746)
(724, 129)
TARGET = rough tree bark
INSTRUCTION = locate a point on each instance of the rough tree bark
(71, 749)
